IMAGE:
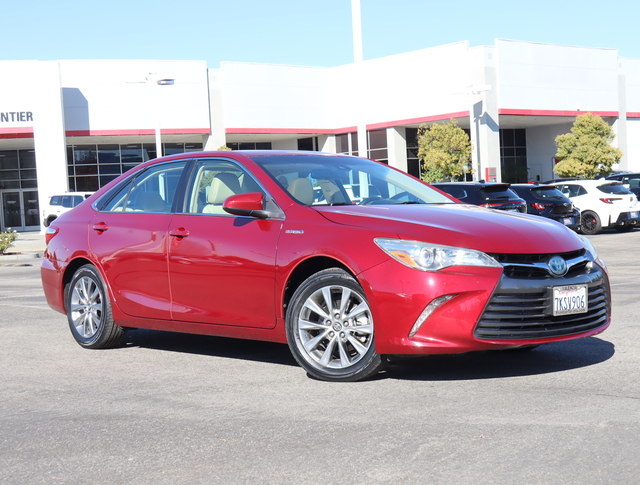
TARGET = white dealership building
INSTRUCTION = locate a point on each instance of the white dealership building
(74, 125)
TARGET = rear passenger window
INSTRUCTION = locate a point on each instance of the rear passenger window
(151, 191)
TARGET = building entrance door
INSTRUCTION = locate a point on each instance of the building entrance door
(19, 210)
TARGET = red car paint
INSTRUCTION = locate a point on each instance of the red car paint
(233, 276)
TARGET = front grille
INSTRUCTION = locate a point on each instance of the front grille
(534, 266)
(522, 316)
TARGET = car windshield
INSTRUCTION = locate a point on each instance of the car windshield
(614, 189)
(341, 180)
(547, 193)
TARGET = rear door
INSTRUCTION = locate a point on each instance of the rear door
(129, 240)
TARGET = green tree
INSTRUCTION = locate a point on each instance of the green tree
(444, 151)
(587, 151)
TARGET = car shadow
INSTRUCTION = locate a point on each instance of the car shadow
(549, 358)
(253, 350)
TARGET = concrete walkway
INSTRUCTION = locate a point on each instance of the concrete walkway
(27, 247)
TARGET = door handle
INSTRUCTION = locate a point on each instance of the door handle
(100, 227)
(180, 232)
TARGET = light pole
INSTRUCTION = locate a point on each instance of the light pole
(155, 84)
(476, 114)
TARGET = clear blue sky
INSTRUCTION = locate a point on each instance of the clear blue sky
(299, 32)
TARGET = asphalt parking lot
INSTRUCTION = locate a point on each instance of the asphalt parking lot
(172, 408)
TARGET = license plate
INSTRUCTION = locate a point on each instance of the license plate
(633, 215)
(567, 221)
(568, 300)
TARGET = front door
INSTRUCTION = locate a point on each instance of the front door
(19, 210)
(222, 267)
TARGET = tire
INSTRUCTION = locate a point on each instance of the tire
(89, 311)
(332, 339)
(590, 223)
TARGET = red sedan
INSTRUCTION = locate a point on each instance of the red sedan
(345, 259)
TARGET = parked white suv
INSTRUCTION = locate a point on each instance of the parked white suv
(602, 203)
(59, 204)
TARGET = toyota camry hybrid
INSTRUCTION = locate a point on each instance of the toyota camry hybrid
(345, 259)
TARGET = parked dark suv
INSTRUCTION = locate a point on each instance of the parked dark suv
(629, 180)
(485, 194)
(548, 201)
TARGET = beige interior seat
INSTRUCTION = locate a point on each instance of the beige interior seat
(222, 186)
(302, 190)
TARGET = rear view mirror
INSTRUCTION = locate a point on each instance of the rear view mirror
(250, 204)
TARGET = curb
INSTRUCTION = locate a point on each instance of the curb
(20, 259)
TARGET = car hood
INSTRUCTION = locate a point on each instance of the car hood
(461, 225)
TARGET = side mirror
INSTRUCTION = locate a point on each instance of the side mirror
(250, 204)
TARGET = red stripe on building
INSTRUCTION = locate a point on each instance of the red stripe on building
(164, 131)
(549, 112)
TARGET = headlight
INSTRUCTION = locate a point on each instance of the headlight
(589, 247)
(433, 257)
(592, 255)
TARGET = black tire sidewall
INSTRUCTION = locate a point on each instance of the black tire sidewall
(598, 225)
(106, 322)
(365, 367)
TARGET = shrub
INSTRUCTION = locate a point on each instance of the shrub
(6, 239)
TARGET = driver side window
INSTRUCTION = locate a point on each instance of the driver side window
(212, 182)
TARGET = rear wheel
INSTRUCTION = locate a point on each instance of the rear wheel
(590, 223)
(330, 328)
(89, 311)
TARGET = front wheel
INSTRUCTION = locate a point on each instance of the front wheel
(330, 328)
(89, 311)
(590, 223)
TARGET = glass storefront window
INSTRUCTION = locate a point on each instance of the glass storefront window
(92, 166)
(132, 154)
(110, 169)
(86, 169)
(27, 158)
(9, 160)
(85, 154)
(87, 184)
(173, 148)
(513, 151)
(250, 146)
(149, 152)
(108, 154)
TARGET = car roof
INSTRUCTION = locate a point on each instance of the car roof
(474, 184)
(533, 186)
(589, 182)
(624, 174)
(72, 193)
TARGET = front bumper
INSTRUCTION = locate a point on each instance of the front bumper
(491, 308)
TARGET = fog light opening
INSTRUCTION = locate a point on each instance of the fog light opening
(426, 313)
